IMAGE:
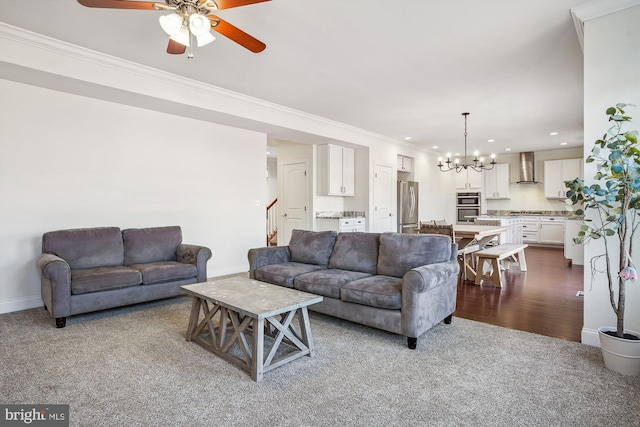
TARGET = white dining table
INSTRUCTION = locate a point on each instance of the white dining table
(472, 238)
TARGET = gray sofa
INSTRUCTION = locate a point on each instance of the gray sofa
(90, 269)
(401, 283)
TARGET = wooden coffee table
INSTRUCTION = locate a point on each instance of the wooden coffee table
(237, 307)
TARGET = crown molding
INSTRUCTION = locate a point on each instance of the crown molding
(277, 114)
(596, 9)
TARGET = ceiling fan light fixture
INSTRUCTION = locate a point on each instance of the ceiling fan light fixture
(182, 37)
(200, 27)
(171, 24)
(204, 39)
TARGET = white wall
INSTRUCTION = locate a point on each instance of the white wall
(68, 161)
(272, 179)
(612, 61)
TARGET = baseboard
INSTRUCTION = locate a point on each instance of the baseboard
(590, 337)
(21, 304)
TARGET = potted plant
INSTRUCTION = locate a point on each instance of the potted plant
(615, 198)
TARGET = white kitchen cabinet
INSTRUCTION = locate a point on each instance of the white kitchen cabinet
(530, 229)
(405, 164)
(496, 182)
(556, 172)
(341, 225)
(469, 179)
(336, 170)
(551, 230)
(547, 230)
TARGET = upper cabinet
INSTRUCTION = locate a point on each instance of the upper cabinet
(469, 179)
(405, 164)
(496, 182)
(336, 170)
(556, 172)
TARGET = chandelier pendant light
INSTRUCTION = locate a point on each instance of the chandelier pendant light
(477, 164)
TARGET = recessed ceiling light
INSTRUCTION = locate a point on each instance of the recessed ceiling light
(491, 140)
(563, 143)
(507, 149)
(435, 147)
(407, 138)
(553, 133)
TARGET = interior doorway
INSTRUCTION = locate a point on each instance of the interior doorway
(295, 200)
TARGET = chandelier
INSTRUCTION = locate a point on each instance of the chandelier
(477, 165)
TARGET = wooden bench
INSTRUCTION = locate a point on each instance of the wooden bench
(494, 255)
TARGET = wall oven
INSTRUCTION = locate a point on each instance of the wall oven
(468, 199)
(467, 214)
(467, 207)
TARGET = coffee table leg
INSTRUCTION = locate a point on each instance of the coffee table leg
(193, 319)
(257, 361)
(305, 330)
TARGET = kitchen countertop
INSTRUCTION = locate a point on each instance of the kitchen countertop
(514, 213)
(340, 214)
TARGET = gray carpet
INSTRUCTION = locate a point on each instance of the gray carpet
(133, 367)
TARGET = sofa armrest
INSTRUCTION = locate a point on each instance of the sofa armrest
(426, 277)
(428, 296)
(421, 279)
(55, 275)
(196, 255)
(259, 257)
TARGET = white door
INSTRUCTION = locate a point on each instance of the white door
(295, 199)
(383, 210)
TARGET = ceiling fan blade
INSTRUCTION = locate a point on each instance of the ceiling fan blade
(119, 4)
(228, 4)
(236, 34)
(175, 48)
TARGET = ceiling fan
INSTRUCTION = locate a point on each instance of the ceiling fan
(191, 19)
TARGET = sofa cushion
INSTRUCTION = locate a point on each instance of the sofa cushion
(164, 271)
(145, 245)
(84, 248)
(103, 279)
(356, 252)
(283, 274)
(326, 282)
(400, 253)
(374, 291)
(312, 247)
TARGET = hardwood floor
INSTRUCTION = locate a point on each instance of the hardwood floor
(541, 300)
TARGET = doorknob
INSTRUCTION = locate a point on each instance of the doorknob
(284, 214)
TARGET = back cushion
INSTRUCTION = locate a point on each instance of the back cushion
(400, 253)
(312, 247)
(86, 248)
(356, 252)
(144, 245)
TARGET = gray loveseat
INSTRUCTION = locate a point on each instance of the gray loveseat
(90, 269)
(401, 283)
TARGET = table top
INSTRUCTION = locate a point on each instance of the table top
(251, 298)
(474, 230)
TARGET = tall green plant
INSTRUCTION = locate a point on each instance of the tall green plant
(616, 198)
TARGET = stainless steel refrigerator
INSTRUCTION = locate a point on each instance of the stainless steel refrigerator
(407, 206)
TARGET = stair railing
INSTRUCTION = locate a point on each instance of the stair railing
(272, 224)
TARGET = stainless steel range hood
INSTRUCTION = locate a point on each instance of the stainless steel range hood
(527, 168)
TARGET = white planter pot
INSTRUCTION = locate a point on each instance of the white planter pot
(620, 355)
